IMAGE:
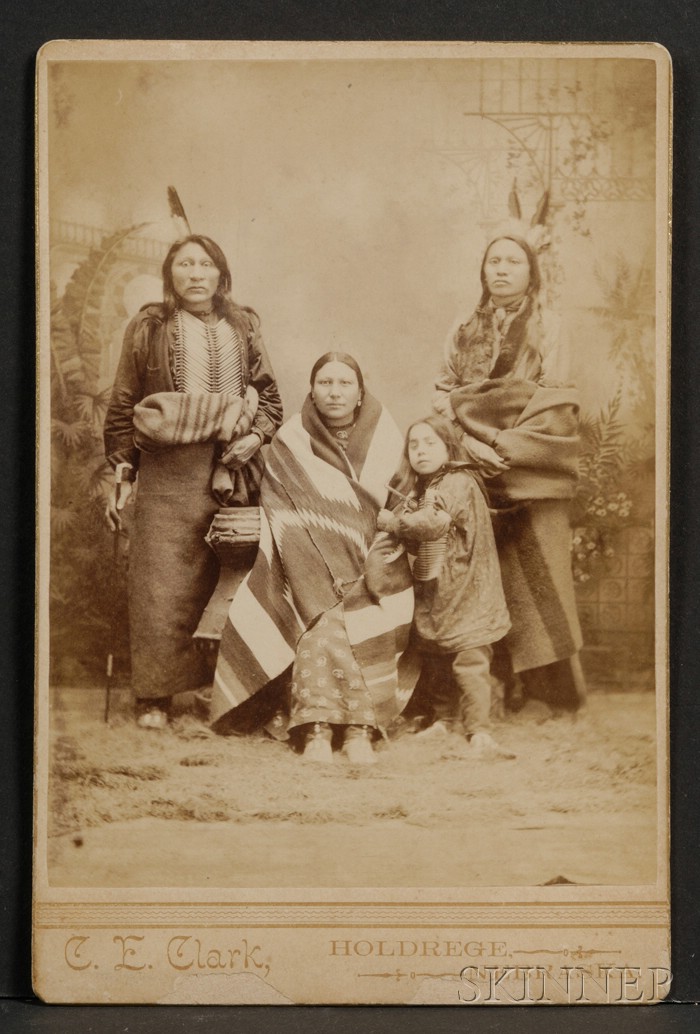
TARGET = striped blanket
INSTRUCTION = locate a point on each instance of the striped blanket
(183, 418)
(319, 507)
(175, 418)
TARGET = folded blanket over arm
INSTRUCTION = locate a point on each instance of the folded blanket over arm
(184, 418)
(534, 428)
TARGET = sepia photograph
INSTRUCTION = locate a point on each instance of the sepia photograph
(352, 672)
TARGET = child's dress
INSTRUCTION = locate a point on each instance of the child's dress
(462, 611)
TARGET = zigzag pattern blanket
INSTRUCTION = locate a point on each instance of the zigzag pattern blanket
(319, 507)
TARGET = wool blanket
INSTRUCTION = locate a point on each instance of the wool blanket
(534, 428)
(172, 571)
(175, 418)
(319, 507)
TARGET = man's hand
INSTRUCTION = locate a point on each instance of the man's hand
(484, 456)
(240, 451)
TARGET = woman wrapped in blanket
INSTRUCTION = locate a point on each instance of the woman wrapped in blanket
(314, 644)
(193, 400)
(505, 382)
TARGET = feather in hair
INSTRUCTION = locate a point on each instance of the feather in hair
(514, 202)
(177, 213)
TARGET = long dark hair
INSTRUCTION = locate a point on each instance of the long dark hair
(533, 288)
(475, 337)
(222, 298)
(406, 477)
(338, 357)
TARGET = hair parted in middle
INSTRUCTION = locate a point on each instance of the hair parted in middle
(223, 289)
(337, 357)
(533, 288)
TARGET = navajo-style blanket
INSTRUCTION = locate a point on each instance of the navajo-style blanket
(318, 520)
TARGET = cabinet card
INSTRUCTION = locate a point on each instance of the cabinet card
(484, 228)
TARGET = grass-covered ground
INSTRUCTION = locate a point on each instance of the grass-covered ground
(133, 807)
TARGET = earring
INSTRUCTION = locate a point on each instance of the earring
(359, 403)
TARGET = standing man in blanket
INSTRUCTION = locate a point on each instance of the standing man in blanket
(506, 383)
(194, 399)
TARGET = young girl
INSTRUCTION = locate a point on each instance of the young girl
(460, 610)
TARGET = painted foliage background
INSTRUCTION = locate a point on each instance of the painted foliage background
(354, 200)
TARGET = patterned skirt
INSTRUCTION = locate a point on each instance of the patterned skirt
(327, 683)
